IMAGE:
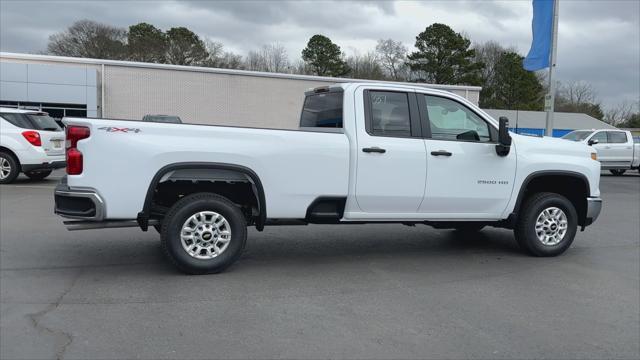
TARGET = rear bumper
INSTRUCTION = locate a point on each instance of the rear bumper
(594, 206)
(44, 166)
(83, 203)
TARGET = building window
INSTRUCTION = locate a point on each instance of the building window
(56, 111)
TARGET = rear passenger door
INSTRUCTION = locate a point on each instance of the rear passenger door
(391, 158)
(620, 148)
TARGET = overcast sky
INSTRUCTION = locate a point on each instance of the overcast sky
(599, 41)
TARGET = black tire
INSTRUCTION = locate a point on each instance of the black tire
(469, 227)
(183, 210)
(38, 174)
(8, 175)
(525, 230)
(617, 172)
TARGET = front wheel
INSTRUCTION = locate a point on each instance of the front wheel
(38, 174)
(547, 224)
(203, 233)
(617, 172)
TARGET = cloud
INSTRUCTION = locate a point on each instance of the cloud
(599, 41)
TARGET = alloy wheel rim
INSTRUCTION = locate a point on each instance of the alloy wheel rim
(551, 226)
(5, 168)
(205, 235)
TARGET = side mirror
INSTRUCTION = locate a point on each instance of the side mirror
(593, 142)
(504, 139)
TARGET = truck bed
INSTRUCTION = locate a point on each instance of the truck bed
(121, 158)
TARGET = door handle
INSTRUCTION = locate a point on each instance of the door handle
(441, 153)
(374, 149)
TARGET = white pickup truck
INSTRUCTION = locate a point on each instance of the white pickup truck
(616, 149)
(364, 153)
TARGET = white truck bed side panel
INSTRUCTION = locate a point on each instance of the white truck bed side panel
(295, 167)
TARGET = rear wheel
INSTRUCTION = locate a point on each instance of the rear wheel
(9, 168)
(546, 225)
(203, 233)
(38, 174)
(617, 172)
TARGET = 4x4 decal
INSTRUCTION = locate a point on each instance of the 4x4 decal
(116, 129)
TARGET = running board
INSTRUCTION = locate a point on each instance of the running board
(75, 225)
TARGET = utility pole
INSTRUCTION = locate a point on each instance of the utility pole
(550, 99)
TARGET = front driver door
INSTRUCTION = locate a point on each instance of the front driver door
(602, 147)
(466, 179)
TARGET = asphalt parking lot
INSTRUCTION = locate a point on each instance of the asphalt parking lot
(371, 291)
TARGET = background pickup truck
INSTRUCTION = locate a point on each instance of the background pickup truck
(364, 153)
(616, 149)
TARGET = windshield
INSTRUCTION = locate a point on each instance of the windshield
(35, 121)
(577, 135)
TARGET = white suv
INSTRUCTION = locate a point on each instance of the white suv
(30, 142)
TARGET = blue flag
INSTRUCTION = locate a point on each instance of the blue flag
(542, 26)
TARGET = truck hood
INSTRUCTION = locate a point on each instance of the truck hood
(551, 145)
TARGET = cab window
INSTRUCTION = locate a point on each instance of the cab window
(450, 120)
(322, 110)
(601, 137)
(617, 137)
(390, 114)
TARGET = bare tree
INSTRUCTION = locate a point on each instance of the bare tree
(231, 61)
(269, 58)
(621, 112)
(215, 51)
(365, 66)
(578, 97)
(578, 92)
(392, 56)
(90, 39)
(275, 58)
(254, 61)
(219, 58)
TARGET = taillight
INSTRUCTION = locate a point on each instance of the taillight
(33, 137)
(74, 156)
(76, 133)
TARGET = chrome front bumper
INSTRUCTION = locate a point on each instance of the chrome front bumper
(594, 206)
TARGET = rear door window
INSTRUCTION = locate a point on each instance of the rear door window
(390, 114)
(617, 137)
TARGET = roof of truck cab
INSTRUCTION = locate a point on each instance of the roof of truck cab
(386, 84)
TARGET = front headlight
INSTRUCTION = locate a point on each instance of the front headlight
(594, 156)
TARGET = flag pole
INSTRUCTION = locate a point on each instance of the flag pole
(549, 101)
